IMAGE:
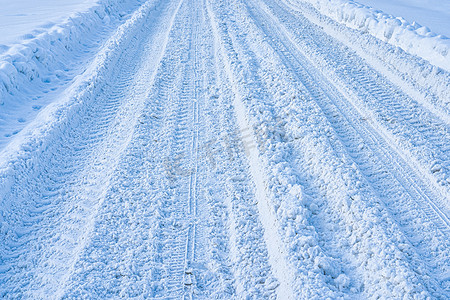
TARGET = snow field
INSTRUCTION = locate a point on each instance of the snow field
(411, 37)
(33, 71)
(25, 19)
(434, 14)
(231, 150)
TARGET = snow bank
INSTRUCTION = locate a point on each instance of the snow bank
(24, 19)
(435, 14)
(411, 37)
(43, 57)
(49, 124)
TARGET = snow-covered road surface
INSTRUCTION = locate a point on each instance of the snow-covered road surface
(239, 149)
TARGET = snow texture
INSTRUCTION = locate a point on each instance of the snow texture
(23, 20)
(210, 149)
(34, 68)
(412, 37)
(434, 14)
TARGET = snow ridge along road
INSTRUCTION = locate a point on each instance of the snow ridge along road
(233, 150)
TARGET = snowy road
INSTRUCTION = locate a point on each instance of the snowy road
(233, 150)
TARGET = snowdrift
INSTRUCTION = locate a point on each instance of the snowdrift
(411, 37)
(43, 57)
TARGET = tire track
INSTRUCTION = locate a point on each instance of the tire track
(394, 180)
(397, 160)
(181, 277)
(85, 153)
(275, 247)
(346, 134)
(248, 252)
(194, 97)
(417, 135)
(429, 88)
(233, 150)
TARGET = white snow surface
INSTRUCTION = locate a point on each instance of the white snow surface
(20, 20)
(210, 149)
(434, 14)
(35, 69)
(411, 36)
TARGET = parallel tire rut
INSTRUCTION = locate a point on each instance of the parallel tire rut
(232, 150)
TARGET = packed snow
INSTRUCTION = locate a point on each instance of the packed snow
(210, 149)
